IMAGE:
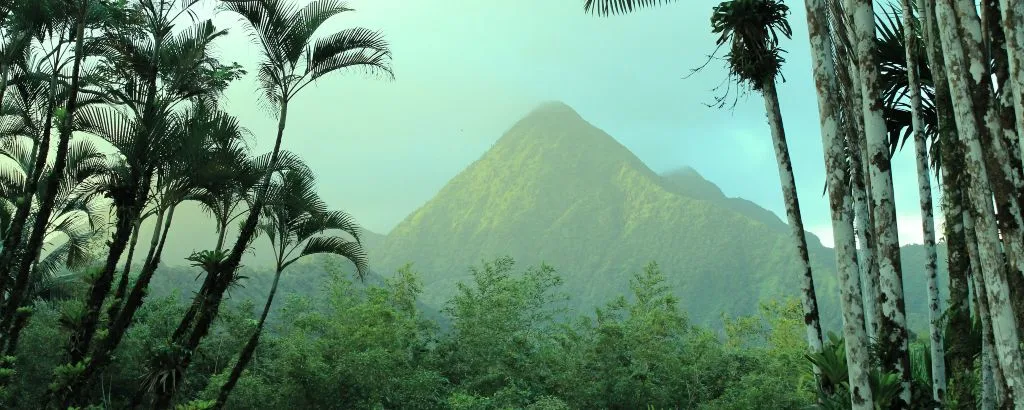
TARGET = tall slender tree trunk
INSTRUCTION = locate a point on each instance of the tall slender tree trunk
(927, 219)
(122, 283)
(989, 365)
(853, 128)
(16, 230)
(960, 352)
(1003, 122)
(79, 347)
(841, 204)
(15, 235)
(996, 135)
(893, 332)
(1013, 28)
(864, 222)
(250, 347)
(792, 202)
(130, 211)
(49, 195)
(865, 236)
(118, 327)
(990, 256)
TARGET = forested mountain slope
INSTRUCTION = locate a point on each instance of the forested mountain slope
(556, 189)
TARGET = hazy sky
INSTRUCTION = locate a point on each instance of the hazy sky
(467, 69)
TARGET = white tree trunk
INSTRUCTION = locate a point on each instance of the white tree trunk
(857, 146)
(796, 224)
(840, 202)
(865, 236)
(1004, 325)
(988, 365)
(1013, 27)
(935, 309)
(1004, 177)
(893, 334)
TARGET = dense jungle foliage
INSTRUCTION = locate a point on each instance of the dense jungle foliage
(509, 344)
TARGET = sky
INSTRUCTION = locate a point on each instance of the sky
(466, 70)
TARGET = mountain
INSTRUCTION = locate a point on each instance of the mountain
(688, 182)
(555, 189)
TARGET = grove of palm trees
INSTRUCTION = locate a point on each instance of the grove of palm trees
(113, 116)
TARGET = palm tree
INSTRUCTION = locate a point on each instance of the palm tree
(147, 73)
(841, 203)
(752, 28)
(915, 88)
(970, 109)
(852, 127)
(947, 156)
(79, 214)
(189, 167)
(295, 222)
(893, 332)
(72, 233)
(35, 99)
(292, 60)
(70, 22)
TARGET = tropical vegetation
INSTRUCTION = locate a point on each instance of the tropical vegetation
(111, 117)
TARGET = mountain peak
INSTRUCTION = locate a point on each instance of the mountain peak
(554, 107)
(554, 133)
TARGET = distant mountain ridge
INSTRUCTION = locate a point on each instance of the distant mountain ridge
(555, 189)
(691, 183)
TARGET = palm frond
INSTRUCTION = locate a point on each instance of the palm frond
(334, 245)
(609, 7)
(305, 22)
(354, 47)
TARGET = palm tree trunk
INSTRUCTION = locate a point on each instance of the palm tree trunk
(927, 219)
(1013, 28)
(1004, 325)
(960, 351)
(119, 325)
(249, 349)
(79, 346)
(122, 283)
(210, 303)
(221, 233)
(864, 220)
(16, 231)
(995, 40)
(190, 314)
(860, 169)
(141, 180)
(50, 193)
(866, 238)
(893, 332)
(809, 300)
(998, 137)
(841, 204)
(989, 365)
